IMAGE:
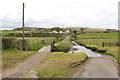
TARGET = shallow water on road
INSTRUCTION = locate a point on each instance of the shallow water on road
(85, 50)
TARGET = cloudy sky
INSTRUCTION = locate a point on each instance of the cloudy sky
(60, 13)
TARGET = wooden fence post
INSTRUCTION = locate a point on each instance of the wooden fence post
(52, 46)
(102, 44)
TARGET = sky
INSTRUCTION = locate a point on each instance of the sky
(59, 13)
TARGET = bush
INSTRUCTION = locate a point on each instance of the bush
(72, 39)
(12, 43)
(109, 53)
(8, 43)
(62, 47)
(33, 34)
(80, 43)
(23, 44)
(57, 40)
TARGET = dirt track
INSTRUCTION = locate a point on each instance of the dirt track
(24, 67)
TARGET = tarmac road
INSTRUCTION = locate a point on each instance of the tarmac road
(102, 67)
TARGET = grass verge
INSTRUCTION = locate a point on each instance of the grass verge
(10, 57)
(59, 65)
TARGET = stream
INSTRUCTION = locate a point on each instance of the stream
(78, 48)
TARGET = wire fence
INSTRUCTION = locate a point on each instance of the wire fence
(102, 44)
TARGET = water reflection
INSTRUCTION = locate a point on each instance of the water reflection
(79, 48)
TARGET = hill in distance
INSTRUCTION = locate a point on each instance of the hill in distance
(78, 29)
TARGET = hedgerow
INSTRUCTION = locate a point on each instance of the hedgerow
(62, 47)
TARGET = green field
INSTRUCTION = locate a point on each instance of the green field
(7, 32)
(61, 65)
(96, 39)
(113, 35)
(96, 42)
(11, 58)
(95, 30)
(15, 32)
(37, 43)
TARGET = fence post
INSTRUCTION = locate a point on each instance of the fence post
(102, 44)
(52, 46)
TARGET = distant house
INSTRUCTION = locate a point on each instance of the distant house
(54, 31)
(60, 32)
(67, 31)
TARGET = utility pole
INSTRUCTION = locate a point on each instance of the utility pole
(70, 30)
(23, 42)
(23, 22)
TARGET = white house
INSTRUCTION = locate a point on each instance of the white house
(67, 31)
(60, 32)
(54, 31)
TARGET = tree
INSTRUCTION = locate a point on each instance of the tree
(56, 29)
(82, 29)
(75, 31)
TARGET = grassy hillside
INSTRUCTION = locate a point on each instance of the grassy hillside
(86, 29)
(95, 30)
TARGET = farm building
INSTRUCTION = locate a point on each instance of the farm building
(67, 31)
(61, 32)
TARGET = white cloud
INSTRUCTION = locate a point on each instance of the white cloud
(49, 13)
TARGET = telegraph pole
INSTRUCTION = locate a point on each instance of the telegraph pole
(23, 22)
